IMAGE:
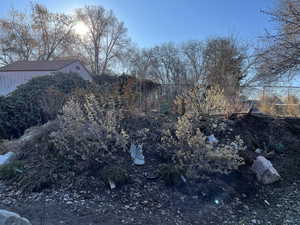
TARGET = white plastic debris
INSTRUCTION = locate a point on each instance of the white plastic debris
(183, 178)
(8, 217)
(258, 151)
(112, 184)
(7, 158)
(136, 153)
(212, 139)
(267, 203)
(264, 170)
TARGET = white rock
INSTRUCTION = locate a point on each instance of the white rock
(264, 170)
(7, 158)
(10, 218)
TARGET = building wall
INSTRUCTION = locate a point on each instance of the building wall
(10, 80)
(77, 67)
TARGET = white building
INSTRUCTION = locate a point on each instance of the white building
(20, 72)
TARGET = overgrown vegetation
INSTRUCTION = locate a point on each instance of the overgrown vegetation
(201, 101)
(11, 170)
(276, 106)
(193, 153)
(35, 102)
(88, 132)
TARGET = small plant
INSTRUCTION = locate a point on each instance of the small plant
(11, 170)
(115, 174)
(171, 174)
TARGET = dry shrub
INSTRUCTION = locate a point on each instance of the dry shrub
(84, 139)
(292, 107)
(202, 102)
(195, 154)
(88, 132)
(51, 101)
(269, 105)
(235, 105)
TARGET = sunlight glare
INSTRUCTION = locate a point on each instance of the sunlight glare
(81, 29)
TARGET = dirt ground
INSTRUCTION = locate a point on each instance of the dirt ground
(234, 199)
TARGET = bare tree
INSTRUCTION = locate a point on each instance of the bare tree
(193, 53)
(280, 56)
(221, 61)
(106, 38)
(139, 62)
(16, 40)
(41, 35)
(168, 65)
(52, 32)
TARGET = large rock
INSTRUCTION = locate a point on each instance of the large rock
(264, 170)
(10, 218)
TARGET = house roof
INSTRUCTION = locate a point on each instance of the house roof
(37, 65)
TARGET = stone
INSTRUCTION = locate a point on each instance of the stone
(10, 218)
(264, 170)
(7, 158)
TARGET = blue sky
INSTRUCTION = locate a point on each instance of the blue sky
(152, 22)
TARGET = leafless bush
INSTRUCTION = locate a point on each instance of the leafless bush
(198, 101)
(292, 106)
(194, 153)
(88, 132)
(269, 105)
(203, 102)
(235, 105)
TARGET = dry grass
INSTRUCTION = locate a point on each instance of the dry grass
(275, 106)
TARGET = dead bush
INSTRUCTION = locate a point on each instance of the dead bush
(270, 105)
(171, 174)
(201, 102)
(88, 132)
(236, 105)
(194, 154)
(292, 106)
(116, 174)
